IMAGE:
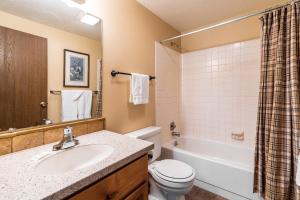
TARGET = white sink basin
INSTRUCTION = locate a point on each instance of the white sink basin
(73, 159)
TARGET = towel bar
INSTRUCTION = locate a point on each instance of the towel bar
(56, 92)
(115, 73)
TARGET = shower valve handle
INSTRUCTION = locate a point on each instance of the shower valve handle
(172, 126)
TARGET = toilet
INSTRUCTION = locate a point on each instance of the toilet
(169, 179)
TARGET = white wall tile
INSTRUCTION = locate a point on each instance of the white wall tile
(219, 92)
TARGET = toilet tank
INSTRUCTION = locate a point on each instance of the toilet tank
(151, 134)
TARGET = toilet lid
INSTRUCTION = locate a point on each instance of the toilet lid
(174, 169)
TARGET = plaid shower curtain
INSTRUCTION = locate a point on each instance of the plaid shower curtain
(278, 123)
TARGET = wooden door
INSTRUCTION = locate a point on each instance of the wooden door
(23, 79)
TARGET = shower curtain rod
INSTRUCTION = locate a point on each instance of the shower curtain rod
(228, 21)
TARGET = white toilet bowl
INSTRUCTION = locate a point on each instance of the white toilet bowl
(170, 180)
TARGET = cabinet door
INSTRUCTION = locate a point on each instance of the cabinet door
(104, 190)
(120, 184)
(141, 193)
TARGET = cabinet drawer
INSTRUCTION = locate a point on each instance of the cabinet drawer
(120, 184)
(141, 193)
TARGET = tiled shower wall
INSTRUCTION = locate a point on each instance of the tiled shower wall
(219, 92)
(167, 72)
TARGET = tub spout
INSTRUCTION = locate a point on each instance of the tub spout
(175, 143)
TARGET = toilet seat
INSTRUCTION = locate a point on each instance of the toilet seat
(174, 170)
(172, 174)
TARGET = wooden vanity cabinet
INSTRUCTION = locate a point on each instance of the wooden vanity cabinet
(140, 193)
(127, 183)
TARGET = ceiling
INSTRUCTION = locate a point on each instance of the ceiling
(53, 13)
(186, 15)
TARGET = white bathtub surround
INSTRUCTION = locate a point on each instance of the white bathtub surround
(219, 92)
(226, 170)
(167, 73)
(210, 93)
(217, 95)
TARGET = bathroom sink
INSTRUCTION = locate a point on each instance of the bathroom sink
(73, 159)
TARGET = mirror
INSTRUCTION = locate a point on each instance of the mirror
(50, 63)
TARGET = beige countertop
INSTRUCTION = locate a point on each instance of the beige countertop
(19, 179)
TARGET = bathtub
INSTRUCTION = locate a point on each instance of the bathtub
(223, 169)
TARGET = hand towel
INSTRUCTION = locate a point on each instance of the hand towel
(85, 105)
(69, 104)
(139, 89)
(298, 172)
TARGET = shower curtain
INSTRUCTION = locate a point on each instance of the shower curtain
(278, 123)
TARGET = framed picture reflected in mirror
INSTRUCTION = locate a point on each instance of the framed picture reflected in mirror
(76, 69)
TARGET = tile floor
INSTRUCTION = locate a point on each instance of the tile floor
(200, 194)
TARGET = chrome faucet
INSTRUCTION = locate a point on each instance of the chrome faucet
(68, 141)
(174, 133)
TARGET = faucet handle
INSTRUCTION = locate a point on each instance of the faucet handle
(68, 140)
(172, 126)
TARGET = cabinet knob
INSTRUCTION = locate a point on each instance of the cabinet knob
(111, 195)
(43, 104)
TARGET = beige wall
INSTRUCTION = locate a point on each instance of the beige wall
(234, 32)
(129, 35)
(246, 29)
(58, 40)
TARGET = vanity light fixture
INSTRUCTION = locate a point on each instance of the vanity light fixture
(89, 19)
(81, 4)
(75, 4)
